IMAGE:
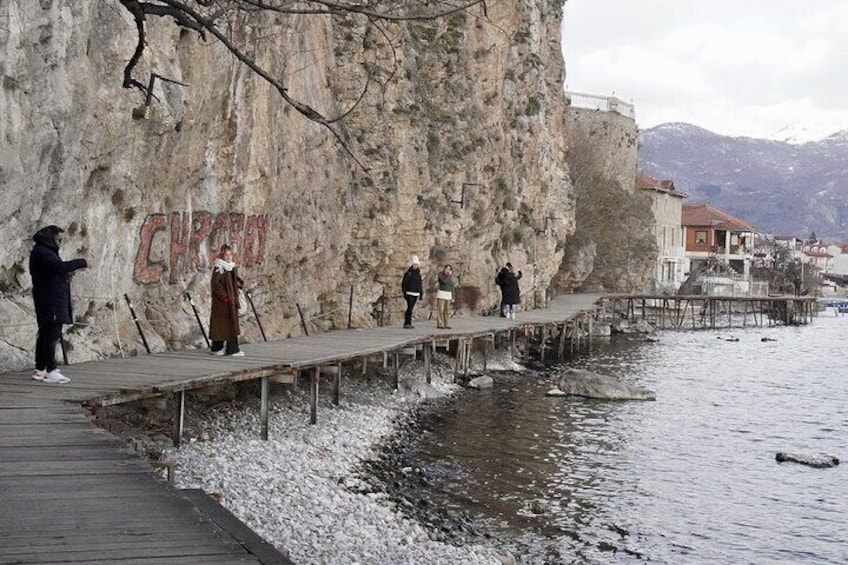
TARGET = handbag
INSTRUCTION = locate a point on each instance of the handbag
(242, 302)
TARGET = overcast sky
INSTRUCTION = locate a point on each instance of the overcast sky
(757, 68)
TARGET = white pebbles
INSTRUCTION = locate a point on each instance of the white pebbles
(298, 490)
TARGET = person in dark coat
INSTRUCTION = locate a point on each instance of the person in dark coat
(51, 294)
(412, 289)
(510, 293)
(223, 318)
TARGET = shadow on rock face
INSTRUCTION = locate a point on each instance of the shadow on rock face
(579, 382)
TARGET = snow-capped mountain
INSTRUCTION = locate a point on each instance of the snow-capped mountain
(781, 187)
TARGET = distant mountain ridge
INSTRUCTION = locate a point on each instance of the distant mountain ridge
(781, 187)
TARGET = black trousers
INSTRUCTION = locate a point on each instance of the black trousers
(45, 346)
(232, 346)
(410, 304)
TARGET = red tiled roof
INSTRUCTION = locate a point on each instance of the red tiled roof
(706, 215)
(644, 182)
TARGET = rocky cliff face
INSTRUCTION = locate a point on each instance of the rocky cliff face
(613, 248)
(463, 142)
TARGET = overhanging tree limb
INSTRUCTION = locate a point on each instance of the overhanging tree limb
(205, 16)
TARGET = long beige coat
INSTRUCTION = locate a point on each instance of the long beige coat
(223, 320)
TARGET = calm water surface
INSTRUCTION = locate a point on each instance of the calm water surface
(690, 478)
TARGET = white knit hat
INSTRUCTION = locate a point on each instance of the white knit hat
(414, 260)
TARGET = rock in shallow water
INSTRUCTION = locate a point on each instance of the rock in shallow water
(579, 382)
(818, 460)
(481, 382)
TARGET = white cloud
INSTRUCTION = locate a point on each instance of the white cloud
(747, 67)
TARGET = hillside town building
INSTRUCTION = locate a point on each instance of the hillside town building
(667, 207)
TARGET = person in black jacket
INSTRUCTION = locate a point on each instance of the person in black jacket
(412, 290)
(51, 293)
(510, 293)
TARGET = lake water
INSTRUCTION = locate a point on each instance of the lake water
(690, 478)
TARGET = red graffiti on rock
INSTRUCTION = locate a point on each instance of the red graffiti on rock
(189, 241)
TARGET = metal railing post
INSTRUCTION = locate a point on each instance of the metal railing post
(137, 325)
(350, 309)
(256, 315)
(197, 317)
(302, 321)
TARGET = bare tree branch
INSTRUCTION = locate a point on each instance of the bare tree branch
(205, 17)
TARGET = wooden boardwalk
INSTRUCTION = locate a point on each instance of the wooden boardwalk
(71, 492)
(712, 312)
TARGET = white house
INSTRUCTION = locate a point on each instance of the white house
(667, 207)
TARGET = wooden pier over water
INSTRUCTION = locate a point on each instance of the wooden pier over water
(712, 312)
(71, 492)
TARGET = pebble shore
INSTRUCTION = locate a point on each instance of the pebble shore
(305, 490)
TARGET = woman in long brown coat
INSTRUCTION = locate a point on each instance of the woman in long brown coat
(223, 320)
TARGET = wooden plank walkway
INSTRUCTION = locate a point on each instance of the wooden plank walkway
(712, 312)
(70, 492)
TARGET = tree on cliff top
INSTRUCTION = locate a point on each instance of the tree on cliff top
(216, 19)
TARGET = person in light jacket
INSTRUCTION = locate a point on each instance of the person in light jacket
(444, 295)
(51, 294)
(510, 293)
(412, 290)
(223, 318)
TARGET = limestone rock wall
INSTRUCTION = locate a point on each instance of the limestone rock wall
(613, 248)
(473, 107)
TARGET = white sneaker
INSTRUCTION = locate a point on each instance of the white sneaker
(39, 375)
(237, 354)
(55, 377)
(218, 353)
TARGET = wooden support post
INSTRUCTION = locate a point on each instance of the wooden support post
(469, 343)
(542, 342)
(561, 349)
(526, 344)
(167, 465)
(678, 321)
(179, 417)
(692, 303)
(263, 407)
(428, 366)
(579, 332)
(313, 395)
(457, 360)
(337, 384)
(486, 350)
(396, 371)
(512, 344)
(364, 364)
(573, 326)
